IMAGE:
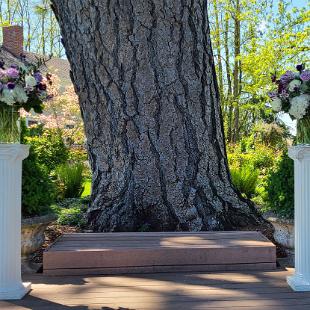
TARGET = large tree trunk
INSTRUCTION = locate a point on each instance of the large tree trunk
(146, 82)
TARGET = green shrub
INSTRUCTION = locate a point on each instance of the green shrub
(38, 189)
(280, 187)
(260, 157)
(71, 212)
(70, 179)
(78, 154)
(48, 146)
(72, 217)
(245, 179)
(263, 157)
(271, 134)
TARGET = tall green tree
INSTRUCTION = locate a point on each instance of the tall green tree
(254, 38)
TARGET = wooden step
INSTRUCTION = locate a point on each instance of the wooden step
(120, 253)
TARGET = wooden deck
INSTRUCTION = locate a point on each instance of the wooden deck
(168, 291)
(119, 253)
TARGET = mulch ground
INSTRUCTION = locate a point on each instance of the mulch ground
(51, 234)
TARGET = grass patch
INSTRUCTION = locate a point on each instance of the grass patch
(87, 188)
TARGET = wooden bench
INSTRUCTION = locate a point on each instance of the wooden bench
(121, 253)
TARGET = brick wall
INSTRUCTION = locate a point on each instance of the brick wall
(13, 39)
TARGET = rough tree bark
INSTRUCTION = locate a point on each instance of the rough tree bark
(144, 73)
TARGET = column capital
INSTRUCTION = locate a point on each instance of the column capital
(299, 152)
(13, 152)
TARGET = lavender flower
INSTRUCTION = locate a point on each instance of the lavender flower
(281, 86)
(38, 76)
(305, 76)
(272, 94)
(12, 73)
(14, 67)
(284, 95)
(287, 77)
(10, 85)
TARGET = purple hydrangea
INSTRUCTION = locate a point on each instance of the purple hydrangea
(305, 76)
(10, 85)
(281, 86)
(287, 77)
(38, 76)
(12, 73)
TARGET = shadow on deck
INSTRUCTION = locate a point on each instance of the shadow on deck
(228, 290)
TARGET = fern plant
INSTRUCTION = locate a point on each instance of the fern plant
(245, 179)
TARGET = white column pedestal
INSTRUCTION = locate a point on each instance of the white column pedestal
(300, 281)
(11, 156)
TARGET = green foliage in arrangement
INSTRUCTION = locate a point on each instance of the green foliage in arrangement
(245, 179)
(279, 195)
(70, 179)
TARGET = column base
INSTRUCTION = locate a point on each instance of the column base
(15, 293)
(298, 283)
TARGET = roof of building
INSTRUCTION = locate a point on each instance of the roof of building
(54, 65)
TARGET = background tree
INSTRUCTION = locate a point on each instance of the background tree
(41, 31)
(253, 40)
(146, 82)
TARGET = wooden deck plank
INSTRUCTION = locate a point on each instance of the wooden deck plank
(117, 253)
(217, 291)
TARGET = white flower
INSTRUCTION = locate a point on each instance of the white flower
(299, 106)
(30, 81)
(7, 97)
(19, 94)
(294, 84)
(276, 104)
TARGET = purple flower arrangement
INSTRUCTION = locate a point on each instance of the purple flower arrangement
(293, 96)
(293, 93)
(22, 87)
